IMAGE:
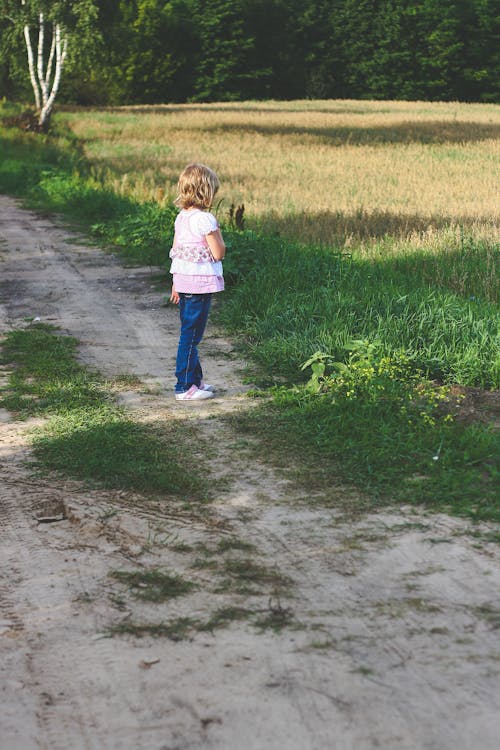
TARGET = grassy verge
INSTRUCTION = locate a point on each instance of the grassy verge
(86, 435)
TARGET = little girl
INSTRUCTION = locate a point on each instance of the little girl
(197, 252)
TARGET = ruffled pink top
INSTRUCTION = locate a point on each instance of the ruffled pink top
(194, 269)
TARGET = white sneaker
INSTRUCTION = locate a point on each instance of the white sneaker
(193, 394)
(206, 387)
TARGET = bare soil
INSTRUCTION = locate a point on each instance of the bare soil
(379, 630)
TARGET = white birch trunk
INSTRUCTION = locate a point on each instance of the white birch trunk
(61, 48)
(45, 79)
(39, 67)
(48, 71)
(31, 67)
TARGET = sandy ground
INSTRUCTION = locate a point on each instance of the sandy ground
(393, 618)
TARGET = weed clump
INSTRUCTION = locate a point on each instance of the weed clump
(153, 585)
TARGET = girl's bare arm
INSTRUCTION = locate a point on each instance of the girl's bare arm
(216, 244)
(174, 296)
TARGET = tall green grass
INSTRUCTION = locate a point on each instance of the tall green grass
(294, 300)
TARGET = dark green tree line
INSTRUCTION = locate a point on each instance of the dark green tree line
(154, 51)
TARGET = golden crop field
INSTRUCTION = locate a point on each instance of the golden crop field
(329, 172)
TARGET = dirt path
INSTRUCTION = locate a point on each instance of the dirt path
(392, 619)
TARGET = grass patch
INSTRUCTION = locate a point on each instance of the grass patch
(103, 446)
(247, 571)
(492, 537)
(233, 543)
(225, 616)
(243, 576)
(239, 575)
(274, 618)
(490, 614)
(325, 645)
(153, 585)
(177, 630)
(364, 671)
(399, 608)
(182, 547)
(46, 378)
(86, 435)
(205, 563)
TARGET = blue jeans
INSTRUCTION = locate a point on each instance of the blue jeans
(194, 309)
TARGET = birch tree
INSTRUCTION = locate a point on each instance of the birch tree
(51, 30)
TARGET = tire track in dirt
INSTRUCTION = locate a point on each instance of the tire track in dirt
(395, 614)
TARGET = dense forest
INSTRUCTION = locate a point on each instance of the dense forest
(152, 51)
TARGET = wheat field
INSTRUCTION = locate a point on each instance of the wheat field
(336, 173)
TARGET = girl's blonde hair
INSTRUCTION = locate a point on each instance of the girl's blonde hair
(197, 186)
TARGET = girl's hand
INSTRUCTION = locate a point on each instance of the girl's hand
(174, 297)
